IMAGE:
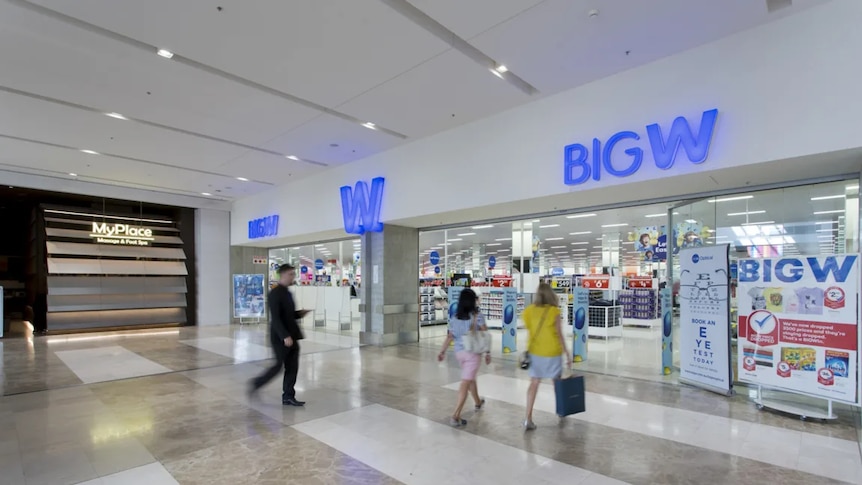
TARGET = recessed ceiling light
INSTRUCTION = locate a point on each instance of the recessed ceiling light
(369, 125)
(206, 194)
(579, 216)
(116, 115)
(494, 244)
(455, 240)
(559, 247)
(467, 234)
(485, 226)
(757, 223)
(656, 215)
(503, 239)
(242, 179)
(291, 157)
(728, 199)
(746, 213)
(165, 53)
(839, 211)
(827, 222)
(691, 221)
(73, 174)
(501, 68)
(580, 233)
(852, 187)
(89, 152)
(621, 224)
(546, 226)
(827, 197)
(579, 243)
(554, 239)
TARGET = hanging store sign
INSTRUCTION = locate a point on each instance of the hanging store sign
(798, 328)
(579, 166)
(360, 206)
(640, 282)
(122, 234)
(597, 282)
(263, 227)
(704, 318)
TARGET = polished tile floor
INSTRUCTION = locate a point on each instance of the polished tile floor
(168, 406)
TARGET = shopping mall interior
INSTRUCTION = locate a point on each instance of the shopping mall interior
(236, 236)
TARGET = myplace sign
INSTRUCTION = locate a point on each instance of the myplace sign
(122, 234)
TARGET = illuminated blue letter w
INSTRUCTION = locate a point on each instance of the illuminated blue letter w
(361, 207)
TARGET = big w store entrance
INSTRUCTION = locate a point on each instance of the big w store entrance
(623, 276)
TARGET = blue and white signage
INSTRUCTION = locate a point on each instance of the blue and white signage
(510, 320)
(318, 264)
(437, 270)
(263, 227)
(557, 271)
(580, 165)
(580, 323)
(492, 261)
(434, 258)
(704, 318)
(360, 206)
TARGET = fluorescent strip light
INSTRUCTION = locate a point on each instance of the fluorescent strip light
(838, 211)
(369, 125)
(834, 229)
(89, 152)
(165, 53)
(827, 222)
(746, 213)
(494, 244)
(828, 197)
(242, 179)
(73, 174)
(578, 249)
(728, 199)
(292, 157)
(597, 247)
(559, 247)
(621, 224)
(116, 116)
(580, 233)
(852, 187)
(690, 221)
(553, 239)
(757, 223)
(580, 216)
(70, 213)
(547, 226)
(455, 240)
(206, 194)
(579, 243)
(467, 234)
(656, 215)
(503, 239)
(486, 226)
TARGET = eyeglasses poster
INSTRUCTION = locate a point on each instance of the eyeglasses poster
(797, 324)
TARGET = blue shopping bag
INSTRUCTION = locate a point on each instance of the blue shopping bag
(570, 395)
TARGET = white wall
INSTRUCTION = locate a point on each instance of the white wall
(785, 90)
(212, 245)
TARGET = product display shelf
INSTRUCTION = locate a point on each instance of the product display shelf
(433, 306)
(641, 308)
(491, 307)
(606, 321)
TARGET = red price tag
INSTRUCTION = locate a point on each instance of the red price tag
(596, 282)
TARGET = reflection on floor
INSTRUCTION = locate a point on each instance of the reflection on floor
(375, 416)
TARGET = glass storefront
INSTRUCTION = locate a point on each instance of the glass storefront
(329, 277)
(637, 243)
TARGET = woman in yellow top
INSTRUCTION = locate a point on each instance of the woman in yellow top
(547, 344)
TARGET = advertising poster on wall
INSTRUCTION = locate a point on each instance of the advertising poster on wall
(705, 318)
(510, 320)
(651, 242)
(580, 323)
(689, 234)
(798, 329)
(248, 296)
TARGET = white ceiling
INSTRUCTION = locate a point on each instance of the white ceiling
(260, 80)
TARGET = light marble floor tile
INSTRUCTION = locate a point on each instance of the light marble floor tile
(769, 444)
(108, 364)
(151, 474)
(240, 350)
(416, 450)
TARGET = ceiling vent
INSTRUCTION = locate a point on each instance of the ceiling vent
(775, 5)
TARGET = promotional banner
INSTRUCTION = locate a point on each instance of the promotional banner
(666, 330)
(580, 323)
(704, 322)
(651, 242)
(689, 234)
(248, 296)
(510, 320)
(798, 328)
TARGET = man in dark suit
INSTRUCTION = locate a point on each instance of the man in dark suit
(285, 335)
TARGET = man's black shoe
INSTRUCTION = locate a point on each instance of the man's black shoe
(292, 402)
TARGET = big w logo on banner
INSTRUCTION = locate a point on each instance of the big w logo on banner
(361, 206)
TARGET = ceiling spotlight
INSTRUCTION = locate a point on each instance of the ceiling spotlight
(89, 152)
(242, 179)
(165, 53)
(73, 174)
(292, 157)
(494, 72)
(116, 115)
(206, 194)
(501, 68)
(369, 125)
